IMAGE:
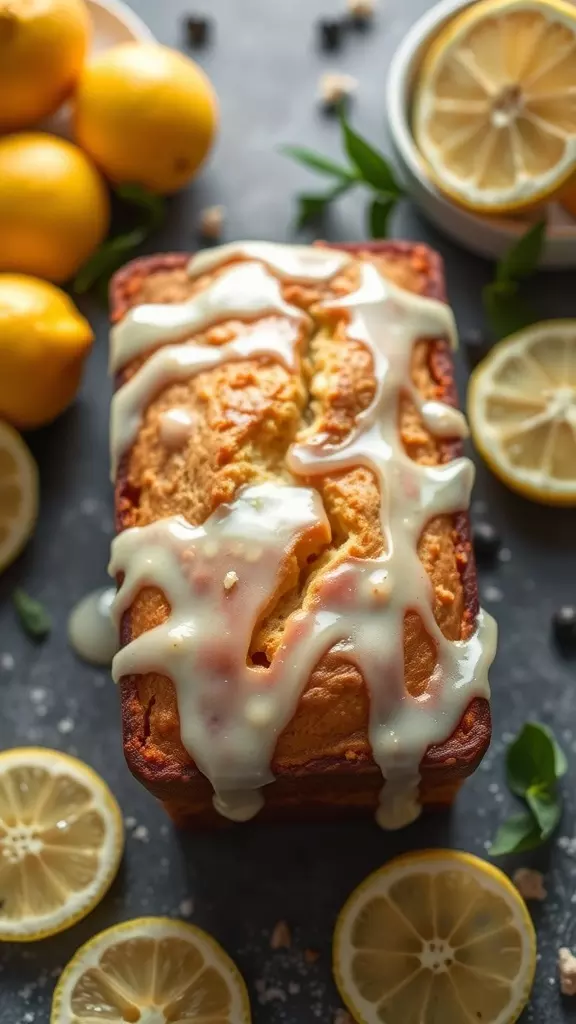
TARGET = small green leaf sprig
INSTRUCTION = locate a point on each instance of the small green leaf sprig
(34, 618)
(147, 211)
(534, 765)
(507, 311)
(367, 167)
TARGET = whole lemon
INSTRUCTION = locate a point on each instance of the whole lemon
(43, 44)
(146, 115)
(54, 206)
(44, 341)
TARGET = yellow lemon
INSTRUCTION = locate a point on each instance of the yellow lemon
(146, 115)
(18, 494)
(54, 206)
(43, 344)
(151, 969)
(522, 411)
(43, 44)
(435, 936)
(494, 112)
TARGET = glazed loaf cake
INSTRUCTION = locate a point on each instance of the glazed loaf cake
(298, 609)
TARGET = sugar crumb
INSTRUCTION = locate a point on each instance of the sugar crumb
(65, 725)
(362, 9)
(38, 694)
(281, 937)
(130, 822)
(7, 661)
(141, 833)
(212, 222)
(186, 908)
(335, 87)
(230, 580)
(567, 969)
(530, 884)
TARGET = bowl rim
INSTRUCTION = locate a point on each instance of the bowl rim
(399, 81)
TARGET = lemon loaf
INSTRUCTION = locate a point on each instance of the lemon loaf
(297, 603)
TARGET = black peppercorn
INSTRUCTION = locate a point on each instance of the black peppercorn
(486, 542)
(197, 30)
(330, 34)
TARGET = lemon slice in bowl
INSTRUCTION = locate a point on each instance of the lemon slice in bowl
(522, 411)
(61, 840)
(438, 937)
(18, 494)
(494, 113)
(151, 970)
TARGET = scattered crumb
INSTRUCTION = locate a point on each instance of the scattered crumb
(212, 222)
(504, 554)
(567, 968)
(89, 506)
(342, 1017)
(38, 694)
(230, 580)
(7, 661)
(141, 833)
(444, 595)
(568, 845)
(281, 937)
(493, 787)
(130, 822)
(530, 884)
(335, 87)
(65, 725)
(293, 988)
(269, 994)
(362, 9)
(311, 956)
(186, 908)
(492, 593)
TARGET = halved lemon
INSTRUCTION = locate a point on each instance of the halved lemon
(151, 970)
(61, 840)
(522, 411)
(494, 113)
(18, 494)
(435, 937)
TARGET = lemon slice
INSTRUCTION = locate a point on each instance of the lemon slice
(436, 937)
(494, 113)
(151, 970)
(61, 839)
(522, 411)
(18, 494)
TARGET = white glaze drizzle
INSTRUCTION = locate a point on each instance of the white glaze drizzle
(175, 427)
(359, 606)
(301, 263)
(243, 292)
(91, 632)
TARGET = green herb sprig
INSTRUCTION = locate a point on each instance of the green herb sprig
(534, 765)
(366, 167)
(148, 211)
(33, 616)
(507, 311)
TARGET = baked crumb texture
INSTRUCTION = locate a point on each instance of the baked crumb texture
(567, 970)
(246, 415)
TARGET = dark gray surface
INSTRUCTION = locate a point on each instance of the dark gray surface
(265, 66)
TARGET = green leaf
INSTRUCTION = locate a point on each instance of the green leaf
(371, 165)
(149, 202)
(519, 833)
(111, 255)
(523, 256)
(559, 755)
(379, 214)
(32, 615)
(505, 309)
(531, 760)
(313, 207)
(320, 164)
(546, 808)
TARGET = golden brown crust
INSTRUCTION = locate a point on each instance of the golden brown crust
(248, 414)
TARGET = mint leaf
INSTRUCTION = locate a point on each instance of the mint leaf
(546, 809)
(317, 162)
(523, 256)
(371, 165)
(153, 205)
(505, 309)
(531, 760)
(313, 207)
(32, 615)
(379, 214)
(519, 833)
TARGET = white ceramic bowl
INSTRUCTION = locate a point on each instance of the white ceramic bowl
(113, 22)
(486, 236)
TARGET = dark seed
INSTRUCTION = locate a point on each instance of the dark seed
(330, 34)
(197, 30)
(486, 542)
(475, 346)
(564, 626)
